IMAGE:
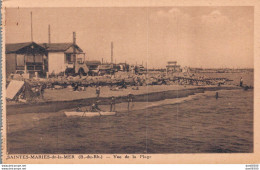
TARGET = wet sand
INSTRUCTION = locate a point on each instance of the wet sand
(18, 122)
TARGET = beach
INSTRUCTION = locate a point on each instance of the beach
(129, 83)
(190, 112)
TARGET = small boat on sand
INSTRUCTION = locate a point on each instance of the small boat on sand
(88, 114)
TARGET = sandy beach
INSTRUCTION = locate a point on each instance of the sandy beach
(68, 94)
(68, 99)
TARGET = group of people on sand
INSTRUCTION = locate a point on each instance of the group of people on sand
(95, 106)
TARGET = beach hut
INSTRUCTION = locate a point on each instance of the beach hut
(65, 57)
(25, 58)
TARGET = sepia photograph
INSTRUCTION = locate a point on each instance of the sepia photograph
(129, 80)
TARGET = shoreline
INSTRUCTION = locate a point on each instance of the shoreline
(55, 106)
(164, 123)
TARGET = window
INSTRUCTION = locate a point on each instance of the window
(38, 58)
(20, 60)
(29, 58)
(69, 58)
(79, 60)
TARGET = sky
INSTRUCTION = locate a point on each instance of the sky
(207, 37)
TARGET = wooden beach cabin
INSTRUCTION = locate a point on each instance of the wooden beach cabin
(61, 58)
(25, 58)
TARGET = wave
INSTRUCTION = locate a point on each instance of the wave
(180, 100)
(196, 96)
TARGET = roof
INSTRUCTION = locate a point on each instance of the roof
(172, 62)
(53, 47)
(18, 47)
(94, 62)
(104, 67)
(59, 47)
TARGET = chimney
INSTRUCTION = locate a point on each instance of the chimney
(74, 38)
(31, 28)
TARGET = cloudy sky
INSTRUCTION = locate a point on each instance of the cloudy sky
(193, 36)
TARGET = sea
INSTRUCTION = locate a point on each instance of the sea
(196, 124)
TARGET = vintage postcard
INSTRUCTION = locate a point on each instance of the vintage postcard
(130, 82)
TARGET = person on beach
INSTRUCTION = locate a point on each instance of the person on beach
(216, 95)
(130, 100)
(94, 107)
(42, 88)
(123, 84)
(113, 104)
(98, 91)
(241, 82)
(78, 109)
(76, 86)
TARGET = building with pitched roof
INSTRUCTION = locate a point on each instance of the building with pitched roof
(61, 58)
(26, 57)
(54, 58)
(172, 67)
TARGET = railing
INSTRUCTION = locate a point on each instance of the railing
(34, 67)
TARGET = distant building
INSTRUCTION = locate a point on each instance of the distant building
(106, 69)
(93, 67)
(25, 58)
(172, 67)
(186, 71)
(123, 67)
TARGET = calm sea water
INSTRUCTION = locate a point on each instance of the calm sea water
(199, 125)
(248, 77)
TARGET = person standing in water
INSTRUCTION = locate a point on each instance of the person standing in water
(94, 107)
(130, 100)
(98, 91)
(241, 82)
(113, 104)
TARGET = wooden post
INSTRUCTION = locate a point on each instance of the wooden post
(31, 28)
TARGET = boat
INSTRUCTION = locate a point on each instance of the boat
(88, 114)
